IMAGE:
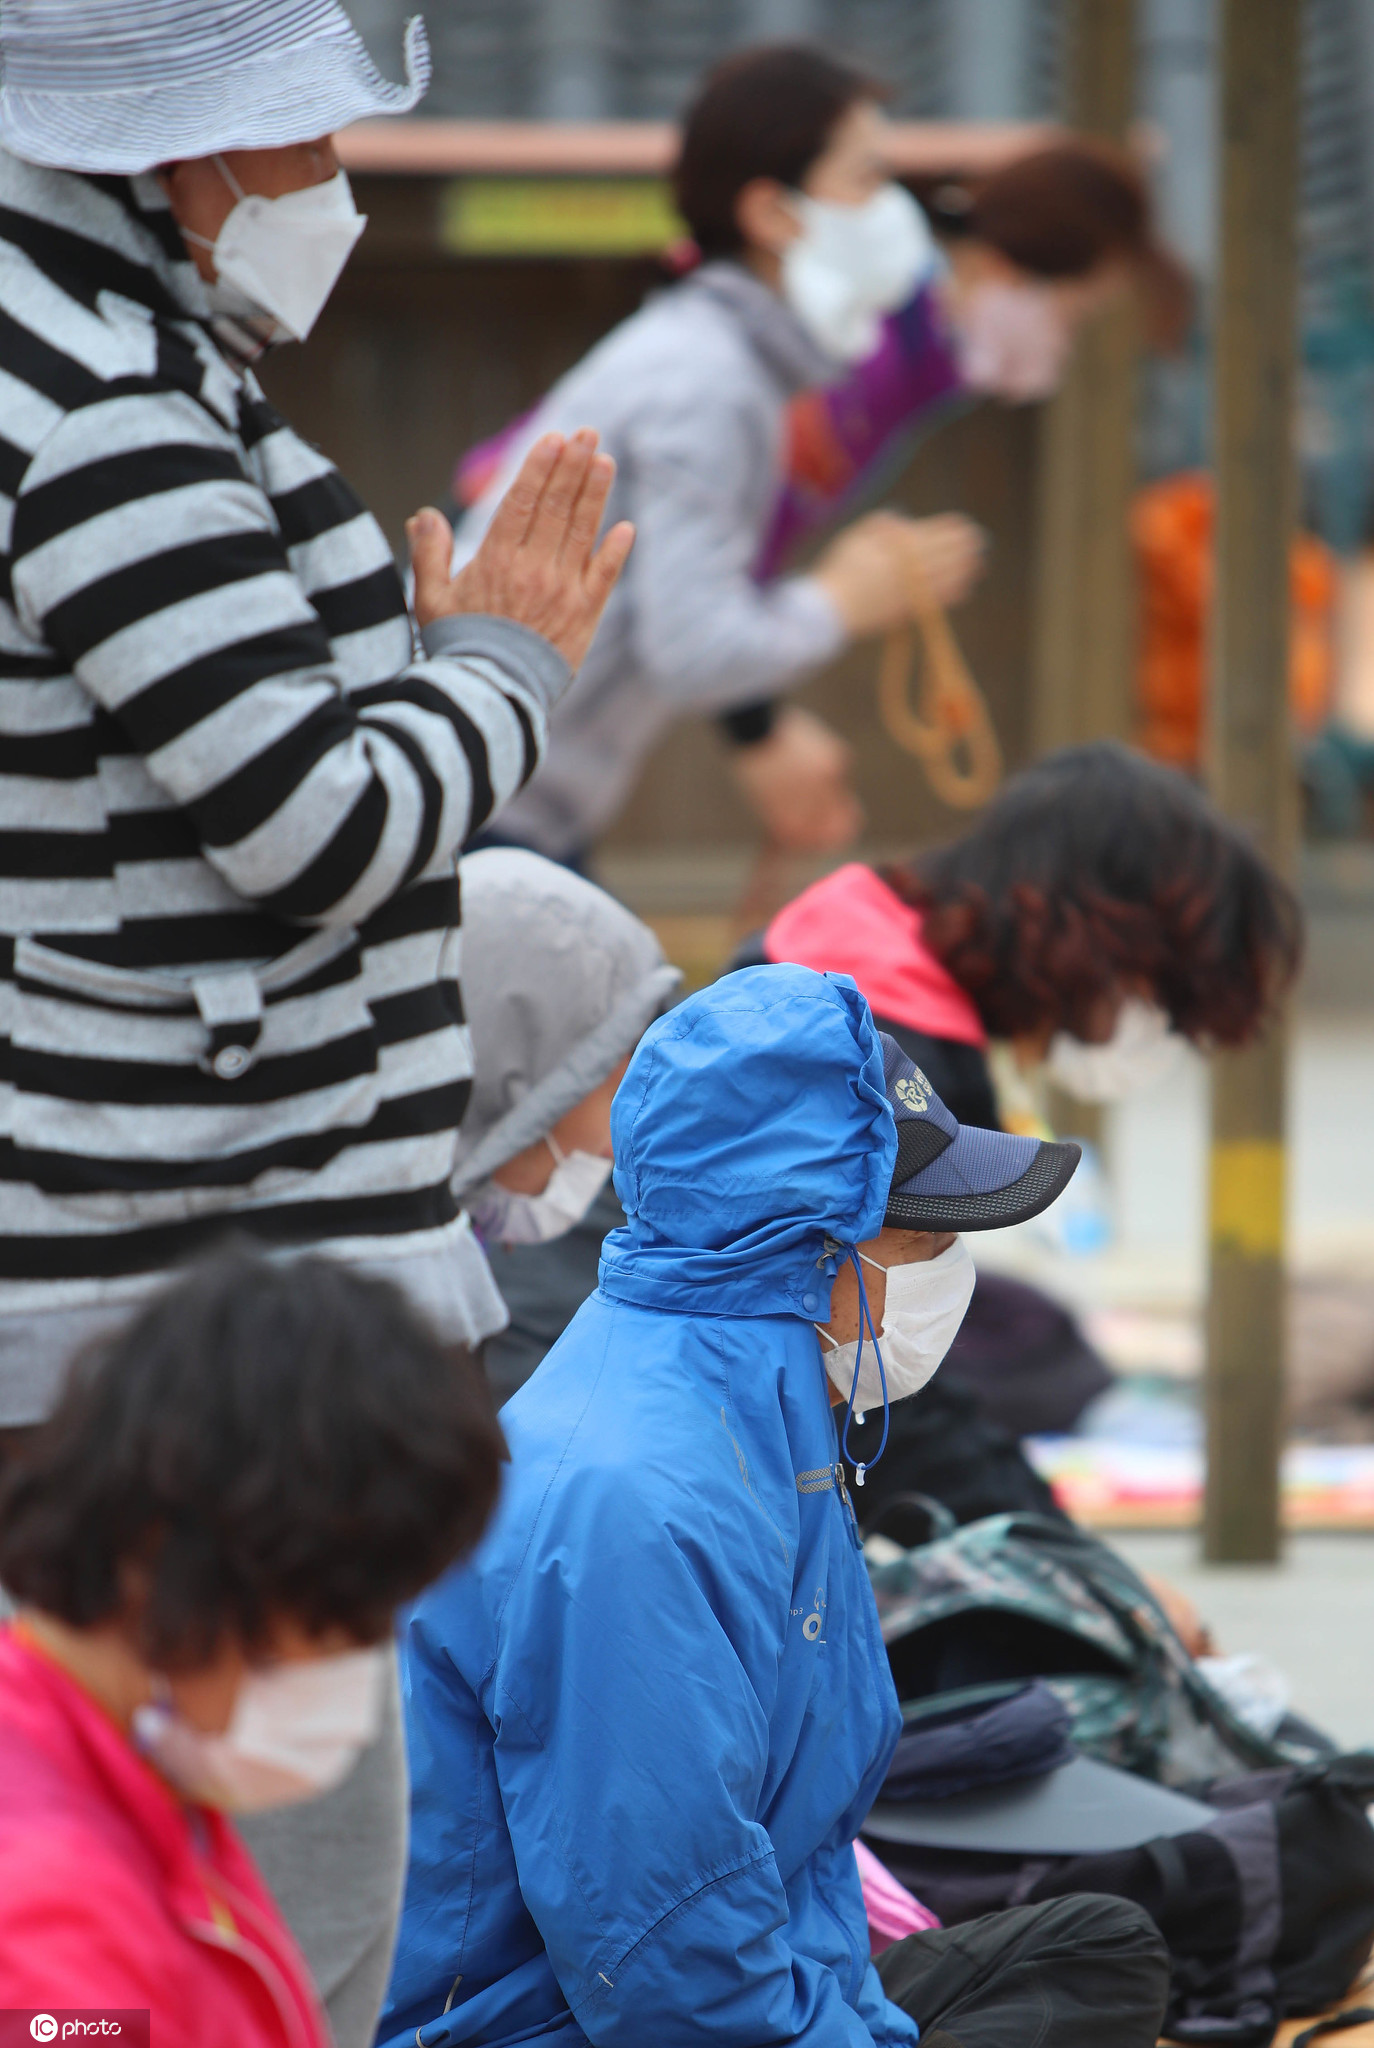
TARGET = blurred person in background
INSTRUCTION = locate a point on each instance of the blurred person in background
(1172, 533)
(234, 785)
(783, 157)
(561, 982)
(1098, 914)
(814, 259)
(207, 1541)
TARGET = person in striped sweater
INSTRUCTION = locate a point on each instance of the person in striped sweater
(232, 785)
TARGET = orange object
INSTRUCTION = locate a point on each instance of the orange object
(1171, 530)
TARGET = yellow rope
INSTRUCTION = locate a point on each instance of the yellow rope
(950, 732)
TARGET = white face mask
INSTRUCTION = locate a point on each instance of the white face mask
(279, 259)
(1012, 340)
(852, 264)
(925, 1304)
(296, 1731)
(504, 1217)
(1143, 1049)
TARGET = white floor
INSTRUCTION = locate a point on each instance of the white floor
(1157, 1148)
(1155, 1168)
(1312, 1616)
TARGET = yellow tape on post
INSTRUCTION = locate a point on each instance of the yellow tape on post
(1247, 1196)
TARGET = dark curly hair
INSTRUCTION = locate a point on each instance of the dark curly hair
(1097, 865)
(266, 1441)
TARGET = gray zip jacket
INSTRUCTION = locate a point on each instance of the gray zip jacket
(689, 396)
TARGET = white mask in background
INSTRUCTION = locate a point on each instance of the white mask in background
(851, 264)
(1011, 340)
(1142, 1049)
(926, 1302)
(279, 259)
(504, 1217)
(296, 1731)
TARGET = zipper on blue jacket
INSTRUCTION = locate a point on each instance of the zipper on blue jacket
(851, 1519)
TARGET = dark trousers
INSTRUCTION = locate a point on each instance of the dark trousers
(1079, 1972)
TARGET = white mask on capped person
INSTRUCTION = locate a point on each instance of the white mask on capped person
(504, 1217)
(297, 1730)
(851, 264)
(279, 259)
(1142, 1049)
(926, 1302)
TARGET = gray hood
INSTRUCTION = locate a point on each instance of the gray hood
(559, 983)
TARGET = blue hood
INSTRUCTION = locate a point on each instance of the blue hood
(647, 1718)
(752, 1125)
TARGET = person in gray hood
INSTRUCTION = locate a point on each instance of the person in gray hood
(561, 983)
(786, 184)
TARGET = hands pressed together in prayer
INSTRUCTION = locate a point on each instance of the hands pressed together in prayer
(538, 563)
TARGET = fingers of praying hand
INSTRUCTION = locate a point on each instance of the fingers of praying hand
(538, 563)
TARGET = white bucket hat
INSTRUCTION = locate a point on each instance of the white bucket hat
(117, 86)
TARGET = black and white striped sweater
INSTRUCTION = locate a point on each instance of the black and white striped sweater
(230, 794)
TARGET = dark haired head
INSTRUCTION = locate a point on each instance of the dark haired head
(1095, 867)
(266, 1441)
(767, 112)
(1065, 211)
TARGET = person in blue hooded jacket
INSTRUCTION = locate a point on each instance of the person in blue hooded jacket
(647, 1720)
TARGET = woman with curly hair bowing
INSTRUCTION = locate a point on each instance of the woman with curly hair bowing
(1099, 906)
(1099, 912)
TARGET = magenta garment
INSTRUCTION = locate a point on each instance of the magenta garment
(840, 433)
(893, 1912)
(850, 922)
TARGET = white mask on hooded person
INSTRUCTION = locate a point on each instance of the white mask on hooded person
(504, 1216)
(1142, 1050)
(851, 264)
(277, 260)
(1011, 339)
(926, 1302)
(296, 1731)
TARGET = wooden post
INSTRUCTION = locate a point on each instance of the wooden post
(1085, 603)
(1085, 595)
(1250, 759)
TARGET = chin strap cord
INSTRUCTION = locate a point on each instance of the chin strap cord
(865, 1323)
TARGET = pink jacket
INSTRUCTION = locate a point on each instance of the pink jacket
(852, 923)
(113, 1893)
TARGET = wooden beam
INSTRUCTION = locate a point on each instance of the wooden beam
(1250, 762)
(1085, 606)
(1085, 593)
(411, 148)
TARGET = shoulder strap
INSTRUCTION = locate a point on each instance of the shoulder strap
(1337, 2023)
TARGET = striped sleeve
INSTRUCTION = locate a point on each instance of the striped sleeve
(150, 561)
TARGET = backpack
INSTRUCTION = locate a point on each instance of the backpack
(1268, 1909)
(1021, 1596)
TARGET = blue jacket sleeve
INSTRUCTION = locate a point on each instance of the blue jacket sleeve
(631, 1750)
